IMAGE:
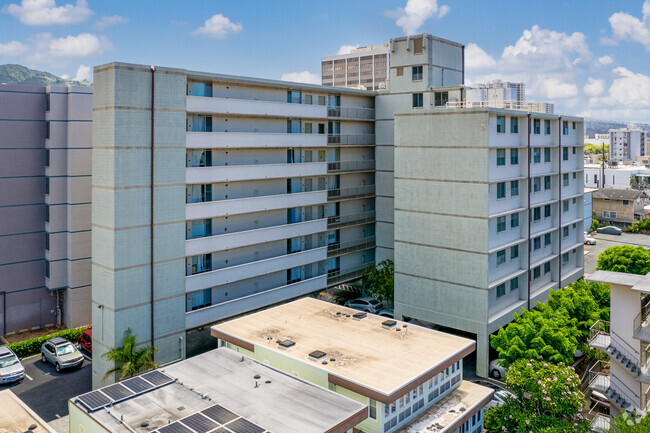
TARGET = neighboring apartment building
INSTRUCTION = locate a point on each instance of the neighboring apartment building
(403, 373)
(488, 215)
(618, 176)
(626, 144)
(598, 140)
(619, 206)
(219, 391)
(45, 139)
(540, 107)
(361, 68)
(625, 378)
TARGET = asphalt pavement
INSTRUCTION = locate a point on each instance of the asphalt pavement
(47, 392)
(604, 241)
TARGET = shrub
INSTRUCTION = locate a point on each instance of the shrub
(635, 227)
(594, 225)
(33, 345)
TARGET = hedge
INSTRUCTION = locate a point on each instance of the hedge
(33, 345)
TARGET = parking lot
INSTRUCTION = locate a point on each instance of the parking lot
(605, 241)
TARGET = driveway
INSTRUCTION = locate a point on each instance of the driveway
(47, 392)
(605, 241)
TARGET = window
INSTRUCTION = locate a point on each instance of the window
(547, 155)
(514, 188)
(537, 214)
(501, 124)
(565, 258)
(321, 127)
(514, 220)
(565, 179)
(536, 273)
(547, 126)
(441, 98)
(514, 125)
(573, 150)
(565, 231)
(574, 125)
(294, 96)
(565, 154)
(417, 100)
(574, 176)
(372, 408)
(501, 223)
(47, 214)
(501, 190)
(47, 102)
(501, 257)
(308, 128)
(547, 239)
(501, 157)
(547, 211)
(574, 200)
(565, 128)
(537, 243)
(547, 267)
(47, 241)
(514, 284)
(47, 269)
(47, 185)
(547, 182)
(400, 71)
(537, 184)
(514, 252)
(321, 100)
(200, 299)
(536, 126)
(501, 290)
(565, 206)
(416, 74)
(308, 99)
(47, 129)
(536, 155)
(47, 157)
(514, 156)
(626, 202)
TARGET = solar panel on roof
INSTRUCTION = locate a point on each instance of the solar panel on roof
(117, 391)
(199, 423)
(242, 425)
(175, 427)
(94, 400)
(157, 378)
(219, 413)
(137, 385)
(222, 430)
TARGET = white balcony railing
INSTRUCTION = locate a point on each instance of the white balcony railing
(252, 140)
(251, 107)
(232, 173)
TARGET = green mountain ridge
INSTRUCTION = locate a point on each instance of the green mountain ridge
(18, 74)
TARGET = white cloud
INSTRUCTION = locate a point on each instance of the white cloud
(553, 88)
(13, 48)
(628, 27)
(108, 21)
(178, 23)
(301, 77)
(218, 27)
(415, 13)
(346, 49)
(84, 73)
(594, 87)
(45, 49)
(46, 12)
(476, 59)
(605, 60)
(628, 98)
(608, 42)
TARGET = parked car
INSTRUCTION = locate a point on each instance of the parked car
(496, 369)
(609, 230)
(367, 304)
(589, 240)
(86, 341)
(61, 353)
(387, 312)
(11, 370)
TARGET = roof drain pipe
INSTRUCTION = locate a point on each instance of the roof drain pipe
(151, 244)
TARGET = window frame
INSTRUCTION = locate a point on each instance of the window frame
(418, 100)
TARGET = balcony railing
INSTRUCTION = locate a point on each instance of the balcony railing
(530, 107)
(642, 325)
(340, 166)
(599, 337)
(353, 192)
(351, 113)
(598, 417)
(339, 221)
(339, 248)
(351, 139)
(336, 276)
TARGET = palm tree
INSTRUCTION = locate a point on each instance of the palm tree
(128, 359)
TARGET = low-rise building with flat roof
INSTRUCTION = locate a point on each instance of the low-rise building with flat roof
(398, 370)
(17, 417)
(219, 391)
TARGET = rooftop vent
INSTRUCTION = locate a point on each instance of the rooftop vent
(388, 324)
(286, 344)
(317, 355)
(359, 316)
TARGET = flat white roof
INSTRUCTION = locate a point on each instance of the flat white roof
(16, 416)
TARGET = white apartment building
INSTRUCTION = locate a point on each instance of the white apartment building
(626, 144)
(362, 68)
(619, 176)
(598, 140)
(541, 107)
(480, 95)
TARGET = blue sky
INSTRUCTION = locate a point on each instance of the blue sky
(590, 58)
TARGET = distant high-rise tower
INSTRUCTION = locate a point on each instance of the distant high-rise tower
(365, 67)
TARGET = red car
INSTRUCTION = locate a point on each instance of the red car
(86, 340)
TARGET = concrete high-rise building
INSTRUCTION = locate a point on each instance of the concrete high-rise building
(626, 144)
(45, 135)
(540, 107)
(361, 68)
(488, 215)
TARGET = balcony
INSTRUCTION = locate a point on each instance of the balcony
(351, 140)
(252, 140)
(338, 276)
(233, 173)
(241, 305)
(339, 221)
(213, 209)
(253, 269)
(642, 324)
(351, 113)
(250, 107)
(599, 337)
(350, 193)
(600, 381)
(350, 166)
(245, 238)
(340, 248)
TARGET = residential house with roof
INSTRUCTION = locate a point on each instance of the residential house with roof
(619, 206)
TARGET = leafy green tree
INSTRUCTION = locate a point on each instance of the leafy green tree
(594, 223)
(547, 400)
(635, 227)
(379, 282)
(625, 258)
(585, 302)
(130, 360)
(630, 424)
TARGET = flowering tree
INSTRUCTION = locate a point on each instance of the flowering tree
(547, 400)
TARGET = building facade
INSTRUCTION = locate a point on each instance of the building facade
(618, 206)
(488, 215)
(361, 68)
(45, 139)
(626, 144)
